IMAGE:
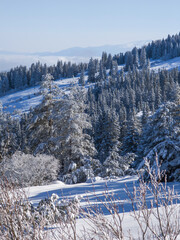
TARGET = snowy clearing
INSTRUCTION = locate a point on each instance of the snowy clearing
(23, 100)
(169, 64)
(93, 194)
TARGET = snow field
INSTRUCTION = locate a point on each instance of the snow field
(94, 195)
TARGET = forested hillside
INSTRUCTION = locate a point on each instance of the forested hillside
(128, 113)
(21, 77)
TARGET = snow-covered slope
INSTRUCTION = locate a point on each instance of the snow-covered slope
(25, 99)
(169, 64)
(85, 190)
(94, 194)
(91, 190)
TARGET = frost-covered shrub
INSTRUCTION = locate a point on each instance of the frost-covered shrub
(18, 218)
(47, 209)
(27, 170)
(89, 168)
(54, 210)
(81, 174)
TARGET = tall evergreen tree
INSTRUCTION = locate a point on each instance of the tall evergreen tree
(81, 79)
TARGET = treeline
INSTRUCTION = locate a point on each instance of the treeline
(160, 49)
(21, 77)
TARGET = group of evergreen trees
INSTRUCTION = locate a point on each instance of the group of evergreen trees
(20, 77)
(160, 49)
(122, 117)
(114, 106)
(103, 129)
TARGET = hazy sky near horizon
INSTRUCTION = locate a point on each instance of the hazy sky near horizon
(52, 25)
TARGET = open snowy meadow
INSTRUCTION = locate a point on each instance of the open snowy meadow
(103, 196)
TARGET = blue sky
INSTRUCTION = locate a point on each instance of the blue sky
(52, 25)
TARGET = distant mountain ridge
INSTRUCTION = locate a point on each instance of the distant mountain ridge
(95, 51)
(10, 59)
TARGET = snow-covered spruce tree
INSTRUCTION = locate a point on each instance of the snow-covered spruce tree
(9, 134)
(128, 61)
(161, 137)
(74, 144)
(40, 120)
(91, 70)
(143, 57)
(135, 57)
(81, 79)
(132, 135)
(27, 170)
(116, 165)
(175, 93)
(102, 72)
(107, 133)
(58, 127)
(114, 69)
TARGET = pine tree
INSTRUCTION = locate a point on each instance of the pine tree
(135, 57)
(132, 136)
(9, 134)
(114, 69)
(102, 72)
(81, 79)
(91, 71)
(109, 62)
(175, 93)
(108, 133)
(160, 137)
(70, 133)
(40, 120)
(143, 58)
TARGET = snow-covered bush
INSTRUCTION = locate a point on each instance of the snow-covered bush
(82, 173)
(27, 170)
(111, 167)
(96, 167)
(54, 209)
(18, 219)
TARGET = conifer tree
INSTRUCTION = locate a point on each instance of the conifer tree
(81, 79)
(70, 131)
(160, 137)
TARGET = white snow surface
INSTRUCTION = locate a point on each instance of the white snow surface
(93, 194)
(169, 64)
(23, 100)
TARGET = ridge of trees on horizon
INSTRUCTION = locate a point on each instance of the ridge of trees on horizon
(21, 77)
